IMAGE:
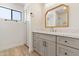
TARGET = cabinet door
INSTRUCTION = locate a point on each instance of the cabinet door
(35, 44)
(50, 48)
(38, 45)
(44, 44)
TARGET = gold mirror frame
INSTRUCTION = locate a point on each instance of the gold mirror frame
(67, 20)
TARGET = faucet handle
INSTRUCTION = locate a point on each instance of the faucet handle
(55, 30)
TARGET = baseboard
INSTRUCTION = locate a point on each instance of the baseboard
(37, 53)
(11, 46)
(26, 45)
(33, 50)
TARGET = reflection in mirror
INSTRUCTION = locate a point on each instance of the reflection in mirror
(57, 17)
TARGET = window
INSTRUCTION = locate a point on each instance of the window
(16, 15)
(10, 14)
(5, 13)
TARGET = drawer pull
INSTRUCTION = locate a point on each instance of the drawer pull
(65, 41)
(44, 43)
(65, 53)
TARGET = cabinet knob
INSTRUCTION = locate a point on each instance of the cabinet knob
(65, 53)
(65, 41)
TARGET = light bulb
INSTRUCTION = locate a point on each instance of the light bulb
(64, 8)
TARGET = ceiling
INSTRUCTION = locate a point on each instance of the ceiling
(22, 4)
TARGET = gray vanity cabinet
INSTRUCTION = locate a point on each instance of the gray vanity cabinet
(51, 45)
(44, 44)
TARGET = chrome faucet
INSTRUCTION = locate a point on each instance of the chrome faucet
(52, 30)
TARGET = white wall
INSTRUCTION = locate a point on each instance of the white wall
(12, 34)
(38, 21)
(28, 18)
(73, 18)
(32, 20)
(37, 15)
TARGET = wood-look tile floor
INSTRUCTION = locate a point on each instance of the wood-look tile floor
(18, 51)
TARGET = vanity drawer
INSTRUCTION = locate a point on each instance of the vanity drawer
(45, 36)
(66, 51)
(72, 42)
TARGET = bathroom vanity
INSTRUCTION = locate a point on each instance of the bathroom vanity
(44, 44)
(55, 43)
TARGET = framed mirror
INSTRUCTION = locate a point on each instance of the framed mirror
(57, 16)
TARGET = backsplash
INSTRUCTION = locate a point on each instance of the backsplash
(62, 30)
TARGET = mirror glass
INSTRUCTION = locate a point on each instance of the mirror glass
(57, 16)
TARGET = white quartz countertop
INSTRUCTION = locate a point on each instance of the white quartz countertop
(73, 35)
